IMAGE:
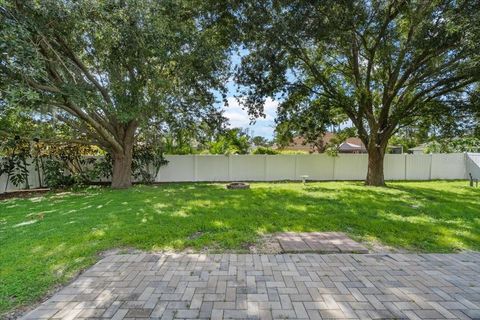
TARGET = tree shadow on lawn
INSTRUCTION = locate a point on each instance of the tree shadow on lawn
(166, 216)
(398, 217)
(73, 229)
(408, 217)
(405, 219)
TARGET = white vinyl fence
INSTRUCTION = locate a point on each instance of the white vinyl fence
(316, 166)
(473, 164)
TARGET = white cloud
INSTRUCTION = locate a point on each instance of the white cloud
(239, 118)
(263, 131)
(270, 109)
(235, 114)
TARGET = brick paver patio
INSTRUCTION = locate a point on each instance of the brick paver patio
(294, 286)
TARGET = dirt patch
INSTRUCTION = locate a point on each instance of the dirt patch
(23, 193)
(17, 314)
(267, 244)
(117, 251)
(195, 235)
(377, 247)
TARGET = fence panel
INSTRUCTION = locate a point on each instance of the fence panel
(291, 167)
(418, 166)
(351, 167)
(212, 168)
(179, 168)
(280, 167)
(395, 167)
(473, 165)
(247, 167)
(316, 167)
(448, 166)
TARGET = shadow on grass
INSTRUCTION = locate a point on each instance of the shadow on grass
(69, 231)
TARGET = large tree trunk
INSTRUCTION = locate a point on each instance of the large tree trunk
(375, 176)
(122, 169)
(122, 159)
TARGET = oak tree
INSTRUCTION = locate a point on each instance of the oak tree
(109, 68)
(382, 63)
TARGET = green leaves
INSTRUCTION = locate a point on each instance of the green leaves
(108, 63)
(232, 141)
(381, 63)
(467, 144)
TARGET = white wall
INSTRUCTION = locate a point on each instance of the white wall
(280, 167)
(317, 167)
(179, 168)
(211, 168)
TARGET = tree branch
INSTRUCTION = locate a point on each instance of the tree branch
(71, 108)
(85, 70)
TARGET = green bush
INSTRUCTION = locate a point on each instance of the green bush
(265, 150)
(56, 176)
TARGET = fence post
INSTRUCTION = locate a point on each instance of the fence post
(405, 166)
(229, 167)
(265, 168)
(296, 168)
(195, 167)
(431, 163)
(333, 167)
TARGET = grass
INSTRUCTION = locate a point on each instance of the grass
(46, 240)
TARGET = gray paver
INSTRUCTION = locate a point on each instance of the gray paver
(246, 286)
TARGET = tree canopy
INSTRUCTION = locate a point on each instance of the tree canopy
(109, 68)
(382, 64)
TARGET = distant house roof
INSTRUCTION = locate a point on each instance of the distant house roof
(299, 143)
(351, 145)
(418, 148)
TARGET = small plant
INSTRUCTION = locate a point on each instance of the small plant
(103, 167)
(147, 162)
(14, 164)
(67, 165)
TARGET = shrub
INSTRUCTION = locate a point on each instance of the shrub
(14, 163)
(56, 176)
(265, 150)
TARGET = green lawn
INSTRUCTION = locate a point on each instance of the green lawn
(47, 240)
